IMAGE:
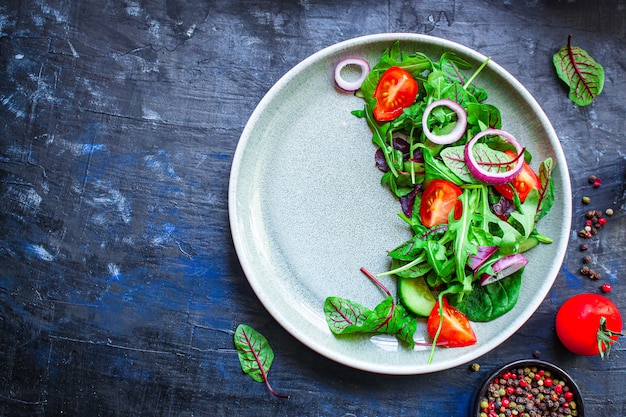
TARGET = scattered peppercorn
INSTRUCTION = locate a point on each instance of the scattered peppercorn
(597, 182)
(592, 178)
(536, 353)
(586, 200)
(475, 367)
(606, 288)
(593, 223)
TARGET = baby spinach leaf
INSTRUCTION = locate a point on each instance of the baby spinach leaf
(583, 75)
(485, 303)
(255, 354)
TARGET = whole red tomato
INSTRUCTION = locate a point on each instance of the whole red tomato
(588, 324)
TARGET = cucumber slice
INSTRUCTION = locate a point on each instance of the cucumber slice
(415, 295)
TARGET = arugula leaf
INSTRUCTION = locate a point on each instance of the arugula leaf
(255, 354)
(582, 74)
(463, 248)
(525, 216)
(437, 169)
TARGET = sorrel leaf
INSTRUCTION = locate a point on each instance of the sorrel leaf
(255, 354)
(583, 75)
(546, 194)
(345, 316)
(392, 318)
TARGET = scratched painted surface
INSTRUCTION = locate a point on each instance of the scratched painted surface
(119, 286)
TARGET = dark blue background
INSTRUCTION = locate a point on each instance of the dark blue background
(119, 286)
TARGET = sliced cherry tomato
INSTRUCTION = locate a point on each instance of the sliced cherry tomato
(396, 90)
(579, 327)
(523, 183)
(438, 199)
(456, 330)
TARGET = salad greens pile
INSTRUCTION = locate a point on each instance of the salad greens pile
(460, 259)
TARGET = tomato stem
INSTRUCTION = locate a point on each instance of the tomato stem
(605, 338)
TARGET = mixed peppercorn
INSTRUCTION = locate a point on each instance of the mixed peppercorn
(594, 221)
(528, 391)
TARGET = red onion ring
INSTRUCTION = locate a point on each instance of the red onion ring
(351, 86)
(493, 177)
(456, 133)
(504, 267)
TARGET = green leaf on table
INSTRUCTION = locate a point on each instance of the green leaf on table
(583, 75)
(255, 354)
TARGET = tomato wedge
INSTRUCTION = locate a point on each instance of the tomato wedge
(523, 183)
(438, 199)
(396, 90)
(456, 330)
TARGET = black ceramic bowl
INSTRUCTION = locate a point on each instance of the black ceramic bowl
(555, 373)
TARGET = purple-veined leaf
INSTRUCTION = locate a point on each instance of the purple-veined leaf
(489, 160)
(411, 271)
(408, 250)
(345, 316)
(583, 75)
(546, 193)
(255, 354)
(391, 318)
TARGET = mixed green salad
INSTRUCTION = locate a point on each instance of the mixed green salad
(466, 190)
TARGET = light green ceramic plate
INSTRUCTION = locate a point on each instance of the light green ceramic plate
(307, 210)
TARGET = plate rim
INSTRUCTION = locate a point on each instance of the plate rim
(345, 45)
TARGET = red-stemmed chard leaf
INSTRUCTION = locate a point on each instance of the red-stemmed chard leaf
(344, 316)
(390, 317)
(255, 355)
(583, 75)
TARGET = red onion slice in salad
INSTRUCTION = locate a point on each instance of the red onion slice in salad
(490, 177)
(504, 267)
(351, 86)
(456, 133)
